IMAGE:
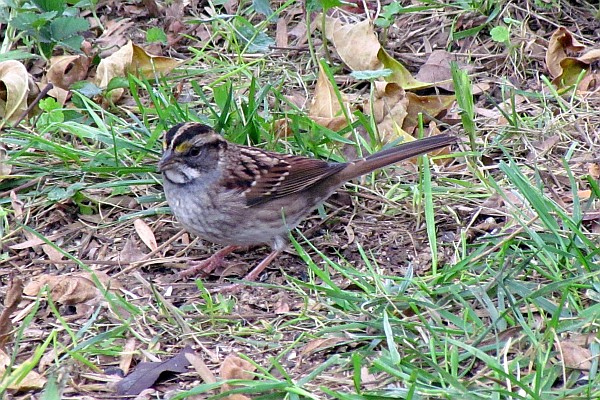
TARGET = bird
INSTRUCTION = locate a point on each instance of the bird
(241, 196)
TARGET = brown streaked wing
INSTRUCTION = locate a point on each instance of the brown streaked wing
(291, 174)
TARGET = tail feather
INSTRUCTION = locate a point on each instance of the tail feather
(396, 154)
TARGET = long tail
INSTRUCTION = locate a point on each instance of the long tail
(395, 154)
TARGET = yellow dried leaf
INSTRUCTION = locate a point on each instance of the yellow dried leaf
(400, 75)
(150, 66)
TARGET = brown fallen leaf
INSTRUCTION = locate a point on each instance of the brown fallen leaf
(31, 381)
(430, 106)
(594, 170)
(12, 299)
(63, 72)
(13, 100)
(5, 167)
(73, 289)
(146, 374)
(325, 109)
(201, 368)
(356, 44)
(127, 355)
(114, 35)
(561, 42)
(574, 356)
(437, 69)
(389, 111)
(281, 33)
(318, 345)
(566, 69)
(131, 252)
(145, 233)
(234, 367)
(66, 70)
(132, 59)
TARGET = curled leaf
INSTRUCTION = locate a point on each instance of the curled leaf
(14, 88)
(135, 60)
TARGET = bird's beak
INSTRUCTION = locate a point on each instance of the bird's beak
(167, 160)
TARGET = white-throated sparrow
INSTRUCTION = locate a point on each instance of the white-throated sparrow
(241, 196)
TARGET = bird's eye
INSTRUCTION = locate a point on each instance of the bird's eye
(195, 151)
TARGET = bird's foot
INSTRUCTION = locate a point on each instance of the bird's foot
(206, 266)
(252, 275)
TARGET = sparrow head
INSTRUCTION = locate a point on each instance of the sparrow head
(190, 150)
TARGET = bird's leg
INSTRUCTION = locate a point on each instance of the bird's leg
(252, 275)
(208, 265)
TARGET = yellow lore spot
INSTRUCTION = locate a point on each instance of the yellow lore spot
(183, 147)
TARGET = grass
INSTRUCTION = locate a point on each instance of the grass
(477, 280)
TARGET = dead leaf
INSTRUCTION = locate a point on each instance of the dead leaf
(13, 99)
(149, 65)
(356, 44)
(54, 255)
(145, 233)
(66, 70)
(131, 252)
(566, 70)
(400, 75)
(234, 367)
(325, 109)
(5, 167)
(14, 294)
(594, 170)
(127, 355)
(317, 345)
(16, 204)
(429, 106)
(73, 289)
(574, 356)
(63, 72)
(281, 307)
(113, 35)
(35, 241)
(389, 111)
(132, 59)
(571, 70)
(146, 374)
(201, 368)
(560, 43)
(437, 69)
(281, 33)
(31, 381)
(282, 129)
